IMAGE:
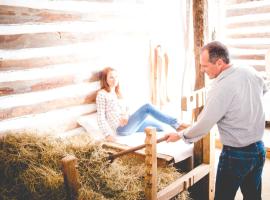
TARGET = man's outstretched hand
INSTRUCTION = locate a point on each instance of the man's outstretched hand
(172, 137)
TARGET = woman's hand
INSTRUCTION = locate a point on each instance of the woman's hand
(110, 138)
(123, 121)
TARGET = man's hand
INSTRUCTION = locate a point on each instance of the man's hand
(110, 138)
(173, 137)
(183, 126)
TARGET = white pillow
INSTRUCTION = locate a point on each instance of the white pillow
(89, 123)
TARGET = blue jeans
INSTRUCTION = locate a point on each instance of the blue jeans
(138, 121)
(240, 167)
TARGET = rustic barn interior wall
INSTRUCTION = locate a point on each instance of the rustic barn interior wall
(51, 52)
(246, 31)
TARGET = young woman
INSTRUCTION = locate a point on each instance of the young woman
(113, 116)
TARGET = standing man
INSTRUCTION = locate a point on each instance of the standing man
(234, 103)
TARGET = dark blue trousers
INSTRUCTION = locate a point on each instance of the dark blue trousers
(240, 167)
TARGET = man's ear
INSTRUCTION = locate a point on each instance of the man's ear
(219, 62)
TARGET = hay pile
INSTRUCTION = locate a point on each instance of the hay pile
(30, 168)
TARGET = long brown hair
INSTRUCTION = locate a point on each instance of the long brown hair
(103, 81)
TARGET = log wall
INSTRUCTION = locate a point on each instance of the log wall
(51, 53)
(247, 31)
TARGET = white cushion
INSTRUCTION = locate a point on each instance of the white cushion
(89, 123)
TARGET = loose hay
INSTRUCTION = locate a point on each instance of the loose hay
(30, 168)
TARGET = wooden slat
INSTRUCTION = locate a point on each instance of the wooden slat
(246, 4)
(83, 48)
(245, 11)
(45, 60)
(246, 57)
(248, 30)
(249, 46)
(254, 24)
(21, 81)
(184, 182)
(56, 121)
(75, 26)
(35, 40)
(38, 102)
(98, 8)
(12, 15)
(258, 36)
(196, 100)
(17, 87)
(235, 51)
(259, 65)
(247, 18)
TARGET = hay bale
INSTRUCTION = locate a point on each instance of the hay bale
(31, 169)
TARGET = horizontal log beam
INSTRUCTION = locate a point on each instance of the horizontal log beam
(13, 15)
(247, 4)
(259, 65)
(22, 81)
(56, 121)
(184, 182)
(247, 18)
(248, 30)
(262, 22)
(46, 60)
(37, 40)
(44, 101)
(246, 57)
(258, 36)
(81, 7)
(245, 11)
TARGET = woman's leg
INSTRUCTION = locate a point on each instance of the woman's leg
(152, 123)
(137, 119)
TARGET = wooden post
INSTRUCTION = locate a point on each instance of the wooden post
(70, 172)
(203, 149)
(151, 164)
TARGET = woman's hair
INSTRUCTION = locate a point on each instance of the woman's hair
(217, 50)
(103, 81)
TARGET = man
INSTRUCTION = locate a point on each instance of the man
(234, 103)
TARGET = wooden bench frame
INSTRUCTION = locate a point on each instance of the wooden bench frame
(203, 169)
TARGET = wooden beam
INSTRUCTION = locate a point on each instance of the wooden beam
(245, 11)
(44, 61)
(203, 145)
(37, 40)
(55, 121)
(13, 15)
(184, 182)
(259, 36)
(151, 164)
(248, 57)
(22, 81)
(162, 159)
(71, 176)
(255, 24)
(44, 101)
(196, 100)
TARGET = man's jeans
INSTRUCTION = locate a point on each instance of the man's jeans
(240, 167)
(138, 121)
